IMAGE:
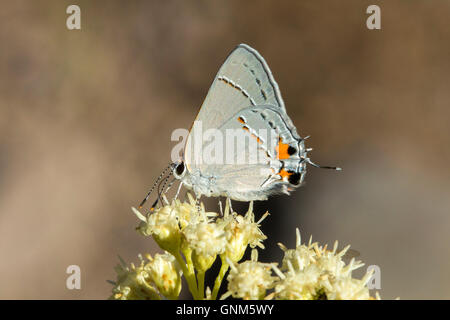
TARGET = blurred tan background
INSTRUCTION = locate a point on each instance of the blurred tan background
(86, 118)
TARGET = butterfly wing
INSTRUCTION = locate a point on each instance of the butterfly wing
(244, 80)
(257, 164)
(249, 158)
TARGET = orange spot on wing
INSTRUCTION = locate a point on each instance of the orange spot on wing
(257, 139)
(241, 120)
(282, 150)
(284, 174)
(251, 134)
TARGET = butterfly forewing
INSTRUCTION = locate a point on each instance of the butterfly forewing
(244, 80)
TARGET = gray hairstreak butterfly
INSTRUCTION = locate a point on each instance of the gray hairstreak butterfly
(243, 98)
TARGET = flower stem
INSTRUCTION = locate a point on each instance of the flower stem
(218, 281)
(188, 255)
(188, 274)
(201, 284)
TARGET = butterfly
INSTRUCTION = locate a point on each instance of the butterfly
(245, 99)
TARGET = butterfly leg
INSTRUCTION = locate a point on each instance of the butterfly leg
(167, 190)
(197, 203)
(269, 179)
(229, 204)
(178, 190)
(250, 206)
(220, 208)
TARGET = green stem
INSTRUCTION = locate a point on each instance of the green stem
(220, 276)
(201, 284)
(188, 274)
(188, 254)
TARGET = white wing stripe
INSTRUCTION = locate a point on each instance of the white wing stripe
(236, 86)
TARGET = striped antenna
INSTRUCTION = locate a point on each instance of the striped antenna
(163, 173)
(319, 166)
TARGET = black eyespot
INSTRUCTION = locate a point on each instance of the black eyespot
(294, 178)
(180, 169)
(291, 150)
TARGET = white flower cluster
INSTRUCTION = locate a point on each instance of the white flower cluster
(308, 272)
(250, 279)
(153, 279)
(313, 272)
(194, 238)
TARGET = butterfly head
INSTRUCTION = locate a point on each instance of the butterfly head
(179, 169)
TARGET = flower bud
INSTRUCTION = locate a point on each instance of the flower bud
(165, 273)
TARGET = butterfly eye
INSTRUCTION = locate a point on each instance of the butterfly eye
(179, 170)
